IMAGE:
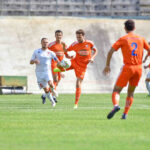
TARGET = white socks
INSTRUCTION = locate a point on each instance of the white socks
(148, 86)
(49, 96)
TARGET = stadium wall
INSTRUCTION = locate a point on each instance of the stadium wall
(20, 36)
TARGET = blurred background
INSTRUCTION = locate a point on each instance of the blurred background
(24, 22)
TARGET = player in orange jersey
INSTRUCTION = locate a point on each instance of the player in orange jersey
(85, 54)
(132, 47)
(147, 80)
(57, 48)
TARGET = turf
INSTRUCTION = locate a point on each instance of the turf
(27, 124)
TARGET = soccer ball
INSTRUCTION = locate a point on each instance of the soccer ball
(65, 63)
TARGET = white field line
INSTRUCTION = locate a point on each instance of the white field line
(69, 108)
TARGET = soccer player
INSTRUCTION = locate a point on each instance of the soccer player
(85, 54)
(57, 48)
(42, 58)
(147, 80)
(132, 50)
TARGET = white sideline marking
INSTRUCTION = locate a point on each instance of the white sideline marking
(71, 108)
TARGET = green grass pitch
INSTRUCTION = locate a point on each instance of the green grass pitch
(27, 124)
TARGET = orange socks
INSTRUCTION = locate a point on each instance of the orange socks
(78, 93)
(115, 98)
(129, 101)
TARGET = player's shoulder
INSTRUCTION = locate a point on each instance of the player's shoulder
(74, 43)
(89, 41)
(51, 44)
(37, 50)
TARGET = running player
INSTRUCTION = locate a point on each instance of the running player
(57, 48)
(147, 80)
(132, 50)
(42, 58)
(85, 54)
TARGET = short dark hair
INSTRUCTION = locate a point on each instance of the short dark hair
(43, 39)
(129, 25)
(58, 31)
(80, 31)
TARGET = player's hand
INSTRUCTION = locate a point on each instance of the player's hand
(36, 61)
(106, 70)
(91, 60)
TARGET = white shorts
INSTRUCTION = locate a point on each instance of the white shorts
(43, 78)
(148, 75)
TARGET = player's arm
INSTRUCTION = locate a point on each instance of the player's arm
(55, 58)
(34, 60)
(147, 47)
(145, 58)
(67, 50)
(94, 50)
(109, 56)
(64, 47)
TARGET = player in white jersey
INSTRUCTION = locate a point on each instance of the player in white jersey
(42, 58)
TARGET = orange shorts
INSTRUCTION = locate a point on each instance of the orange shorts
(79, 71)
(131, 74)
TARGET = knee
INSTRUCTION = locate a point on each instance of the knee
(46, 90)
(56, 80)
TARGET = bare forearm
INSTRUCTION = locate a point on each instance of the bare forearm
(109, 56)
(95, 53)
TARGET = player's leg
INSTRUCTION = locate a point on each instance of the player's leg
(49, 96)
(55, 80)
(51, 85)
(115, 101)
(80, 72)
(147, 82)
(40, 82)
(78, 91)
(133, 83)
(129, 101)
(121, 82)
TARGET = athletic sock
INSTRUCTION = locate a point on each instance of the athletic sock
(148, 86)
(49, 96)
(78, 93)
(115, 98)
(129, 101)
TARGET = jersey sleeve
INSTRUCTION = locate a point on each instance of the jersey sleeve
(71, 47)
(33, 55)
(54, 56)
(93, 47)
(117, 44)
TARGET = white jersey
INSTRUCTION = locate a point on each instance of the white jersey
(45, 57)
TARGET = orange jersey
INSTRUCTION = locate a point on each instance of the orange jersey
(132, 48)
(57, 48)
(83, 52)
